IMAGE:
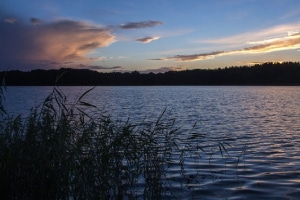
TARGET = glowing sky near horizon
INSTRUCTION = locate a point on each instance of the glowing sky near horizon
(147, 36)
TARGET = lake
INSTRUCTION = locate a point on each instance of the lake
(259, 124)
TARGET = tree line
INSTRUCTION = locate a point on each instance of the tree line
(287, 73)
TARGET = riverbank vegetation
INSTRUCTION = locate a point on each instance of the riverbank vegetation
(65, 150)
(286, 73)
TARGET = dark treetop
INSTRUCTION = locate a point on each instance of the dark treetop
(287, 73)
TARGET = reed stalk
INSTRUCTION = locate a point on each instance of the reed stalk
(59, 151)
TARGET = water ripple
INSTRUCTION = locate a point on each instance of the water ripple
(260, 124)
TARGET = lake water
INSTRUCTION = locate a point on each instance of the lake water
(261, 124)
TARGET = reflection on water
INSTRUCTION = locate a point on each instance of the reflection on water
(261, 125)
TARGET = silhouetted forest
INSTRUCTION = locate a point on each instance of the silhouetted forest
(287, 73)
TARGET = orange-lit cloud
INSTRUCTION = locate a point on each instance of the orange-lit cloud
(275, 32)
(147, 39)
(285, 43)
(259, 63)
(59, 41)
(68, 40)
(291, 40)
(41, 44)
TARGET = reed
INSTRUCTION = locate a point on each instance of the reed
(60, 151)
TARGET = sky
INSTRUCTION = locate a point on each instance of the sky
(147, 36)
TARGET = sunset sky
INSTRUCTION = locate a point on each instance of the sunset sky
(147, 36)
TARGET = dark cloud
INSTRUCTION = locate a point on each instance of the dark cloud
(201, 56)
(143, 24)
(192, 57)
(96, 67)
(59, 41)
(147, 39)
(35, 21)
(158, 59)
(162, 70)
(29, 65)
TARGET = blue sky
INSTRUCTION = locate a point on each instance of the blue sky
(147, 36)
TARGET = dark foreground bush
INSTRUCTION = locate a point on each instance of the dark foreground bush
(60, 152)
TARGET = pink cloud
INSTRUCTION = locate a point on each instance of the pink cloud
(59, 41)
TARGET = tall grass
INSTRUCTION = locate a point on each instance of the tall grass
(59, 151)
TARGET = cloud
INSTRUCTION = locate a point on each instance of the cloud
(195, 57)
(292, 13)
(59, 41)
(35, 21)
(142, 24)
(275, 32)
(192, 57)
(96, 67)
(163, 70)
(10, 20)
(259, 63)
(30, 65)
(291, 40)
(122, 57)
(147, 39)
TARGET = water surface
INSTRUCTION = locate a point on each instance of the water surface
(261, 125)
